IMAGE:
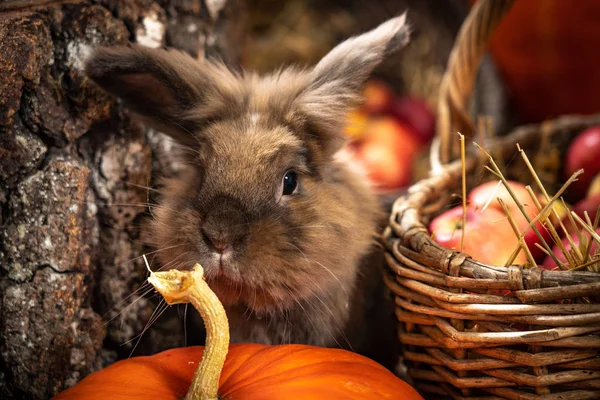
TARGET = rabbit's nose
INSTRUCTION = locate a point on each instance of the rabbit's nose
(224, 226)
(218, 241)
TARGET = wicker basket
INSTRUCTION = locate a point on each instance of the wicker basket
(460, 342)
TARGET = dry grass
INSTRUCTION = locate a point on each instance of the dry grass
(579, 256)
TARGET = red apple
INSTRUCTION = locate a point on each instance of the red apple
(583, 153)
(383, 166)
(488, 235)
(549, 262)
(416, 114)
(482, 194)
(378, 97)
(387, 151)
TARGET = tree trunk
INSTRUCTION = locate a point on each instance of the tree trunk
(74, 172)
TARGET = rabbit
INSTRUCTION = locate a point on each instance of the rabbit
(269, 204)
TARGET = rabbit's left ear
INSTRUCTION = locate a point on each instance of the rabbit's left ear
(167, 88)
(337, 79)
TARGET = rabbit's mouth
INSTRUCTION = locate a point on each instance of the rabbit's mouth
(239, 281)
(220, 265)
(269, 298)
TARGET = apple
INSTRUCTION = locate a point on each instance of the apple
(482, 194)
(549, 262)
(416, 114)
(378, 97)
(356, 123)
(531, 238)
(583, 153)
(383, 167)
(387, 151)
(488, 235)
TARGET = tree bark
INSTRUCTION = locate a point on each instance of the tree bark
(74, 167)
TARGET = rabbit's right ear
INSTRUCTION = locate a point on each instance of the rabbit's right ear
(162, 86)
(337, 79)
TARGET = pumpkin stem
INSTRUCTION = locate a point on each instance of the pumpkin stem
(190, 287)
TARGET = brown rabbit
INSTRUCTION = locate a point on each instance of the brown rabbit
(283, 226)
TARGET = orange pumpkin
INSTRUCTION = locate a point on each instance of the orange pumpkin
(242, 371)
(546, 51)
(251, 371)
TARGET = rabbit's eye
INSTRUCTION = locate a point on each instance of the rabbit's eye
(290, 183)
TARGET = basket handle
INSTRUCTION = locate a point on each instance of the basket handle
(458, 80)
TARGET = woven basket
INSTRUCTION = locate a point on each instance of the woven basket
(460, 342)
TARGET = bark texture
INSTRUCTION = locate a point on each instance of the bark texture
(74, 167)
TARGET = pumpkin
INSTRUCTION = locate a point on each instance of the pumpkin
(546, 51)
(237, 371)
(251, 371)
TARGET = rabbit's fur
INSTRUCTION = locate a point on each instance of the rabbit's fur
(298, 268)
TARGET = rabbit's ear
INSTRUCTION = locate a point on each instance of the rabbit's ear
(337, 79)
(162, 86)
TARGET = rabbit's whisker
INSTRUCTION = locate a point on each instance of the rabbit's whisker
(162, 307)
